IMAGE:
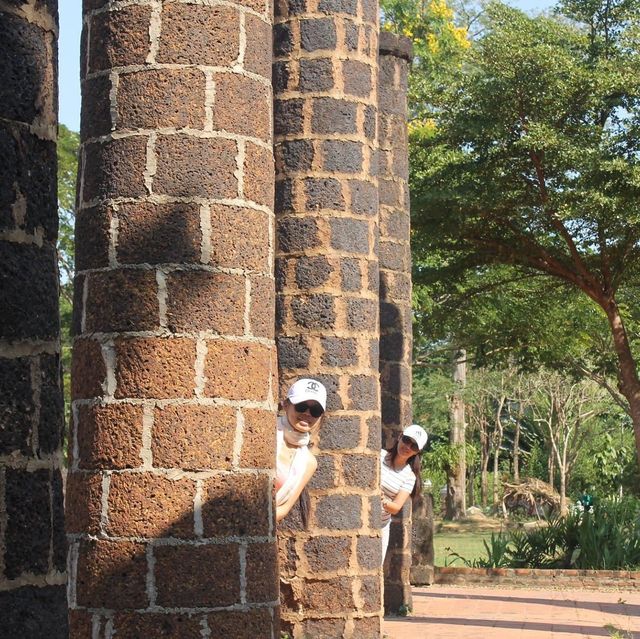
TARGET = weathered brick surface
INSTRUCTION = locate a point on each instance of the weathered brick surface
(245, 624)
(175, 330)
(395, 300)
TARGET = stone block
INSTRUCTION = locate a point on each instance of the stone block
(349, 235)
(362, 314)
(357, 78)
(367, 627)
(257, 57)
(83, 503)
(236, 506)
(282, 39)
(340, 432)
(28, 292)
(339, 351)
(109, 436)
(16, 405)
(297, 234)
(115, 168)
(294, 155)
(241, 106)
(96, 107)
(92, 236)
(350, 274)
(258, 176)
(333, 116)
(193, 437)
(370, 594)
(111, 574)
(28, 531)
(199, 35)
(155, 368)
(293, 352)
(318, 33)
(314, 311)
(146, 505)
(262, 307)
(328, 628)
(258, 439)
(261, 572)
(205, 301)
(370, 122)
(360, 470)
(339, 512)
(119, 38)
(364, 197)
(342, 156)
(323, 193)
(351, 36)
(35, 612)
(325, 553)
(122, 300)
(325, 475)
(315, 75)
(311, 272)
(206, 575)
(239, 238)
(159, 625)
(328, 596)
(350, 7)
(237, 370)
(280, 74)
(158, 233)
(88, 370)
(196, 167)
(363, 392)
(255, 623)
(161, 98)
(288, 116)
(369, 552)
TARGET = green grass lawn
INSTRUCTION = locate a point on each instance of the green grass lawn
(467, 544)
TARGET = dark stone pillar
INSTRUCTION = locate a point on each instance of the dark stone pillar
(169, 504)
(325, 76)
(395, 289)
(32, 543)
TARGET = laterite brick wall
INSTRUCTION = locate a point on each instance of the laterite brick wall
(32, 543)
(169, 512)
(395, 289)
(325, 77)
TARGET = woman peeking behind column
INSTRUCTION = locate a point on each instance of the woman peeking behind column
(400, 475)
(302, 412)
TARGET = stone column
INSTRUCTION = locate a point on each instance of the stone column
(32, 542)
(325, 75)
(395, 289)
(169, 502)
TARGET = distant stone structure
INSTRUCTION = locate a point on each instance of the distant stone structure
(32, 542)
(188, 279)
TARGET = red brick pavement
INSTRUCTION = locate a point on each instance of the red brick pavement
(455, 612)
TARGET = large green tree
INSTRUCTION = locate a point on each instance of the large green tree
(532, 169)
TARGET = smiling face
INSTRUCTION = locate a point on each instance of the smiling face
(302, 422)
(407, 447)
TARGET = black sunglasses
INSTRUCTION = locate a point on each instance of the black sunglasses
(411, 443)
(316, 410)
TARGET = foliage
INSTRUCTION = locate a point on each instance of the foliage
(604, 538)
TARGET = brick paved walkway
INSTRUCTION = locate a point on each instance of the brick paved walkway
(454, 612)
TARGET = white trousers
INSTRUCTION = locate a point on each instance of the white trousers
(385, 538)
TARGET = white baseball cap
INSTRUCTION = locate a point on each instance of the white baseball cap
(418, 434)
(305, 389)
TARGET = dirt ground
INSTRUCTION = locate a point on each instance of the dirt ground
(480, 523)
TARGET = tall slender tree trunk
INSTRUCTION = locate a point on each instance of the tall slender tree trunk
(628, 382)
(516, 453)
(484, 463)
(455, 504)
(496, 461)
(551, 466)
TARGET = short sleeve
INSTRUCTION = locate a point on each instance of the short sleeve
(409, 481)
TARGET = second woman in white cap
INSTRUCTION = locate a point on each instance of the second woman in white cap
(400, 475)
(302, 412)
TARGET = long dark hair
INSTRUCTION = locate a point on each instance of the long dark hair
(414, 462)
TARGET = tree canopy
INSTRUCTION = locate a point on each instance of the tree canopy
(526, 186)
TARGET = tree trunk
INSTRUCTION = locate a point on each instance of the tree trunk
(551, 465)
(496, 460)
(563, 491)
(628, 381)
(455, 503)
(484, 464)
(516, 453)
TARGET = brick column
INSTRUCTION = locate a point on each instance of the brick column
(395, 289)
(32, 543)
(325, 75)
(169, 502)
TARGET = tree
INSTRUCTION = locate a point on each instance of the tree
(532, 169)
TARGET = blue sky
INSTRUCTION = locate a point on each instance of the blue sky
(70, 27)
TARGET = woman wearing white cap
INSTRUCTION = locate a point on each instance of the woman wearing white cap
(302, 410)
(400, 475)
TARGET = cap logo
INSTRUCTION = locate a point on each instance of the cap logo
(313, 387)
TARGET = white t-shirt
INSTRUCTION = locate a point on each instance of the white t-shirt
(393, 481)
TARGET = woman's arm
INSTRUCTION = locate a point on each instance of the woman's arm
(283, 509)
(395, 506)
